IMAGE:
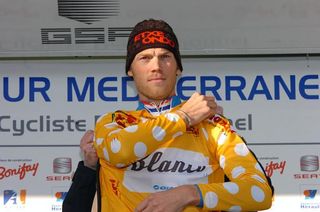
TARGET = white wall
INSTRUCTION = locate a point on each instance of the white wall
(281, 130)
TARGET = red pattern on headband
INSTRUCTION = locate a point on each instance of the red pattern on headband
(151, 37)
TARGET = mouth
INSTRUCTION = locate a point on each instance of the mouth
(156, 79)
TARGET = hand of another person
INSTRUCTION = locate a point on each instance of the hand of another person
(200, 107)
(172, 200)
(89, 153)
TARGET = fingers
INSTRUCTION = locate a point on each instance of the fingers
(206, 102)
(211, 103)
(197, 98)
(87, 138)
(199, 107)
(89, 153)
(142, 206)
(219, 109)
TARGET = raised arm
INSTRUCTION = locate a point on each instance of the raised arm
(122, 138)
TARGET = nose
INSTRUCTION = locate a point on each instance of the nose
(156, 64)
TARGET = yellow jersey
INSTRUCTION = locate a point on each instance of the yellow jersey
(141, 153)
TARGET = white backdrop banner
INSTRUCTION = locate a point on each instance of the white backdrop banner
(86, 27)
(47, 105)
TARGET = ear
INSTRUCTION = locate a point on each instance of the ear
(179, 72)
(130, 74)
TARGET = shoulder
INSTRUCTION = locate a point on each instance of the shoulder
(103, 119)
(118, 118)
(221, 122)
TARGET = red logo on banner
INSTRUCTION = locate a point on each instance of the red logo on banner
(20, 171)
(272, 166)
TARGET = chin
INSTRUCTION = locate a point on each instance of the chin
(159, 97)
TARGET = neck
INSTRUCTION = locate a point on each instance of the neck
(153, 101)
(172, 101)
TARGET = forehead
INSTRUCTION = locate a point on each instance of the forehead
(154, 51)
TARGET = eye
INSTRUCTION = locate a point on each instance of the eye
(165, 56)
(144, 57)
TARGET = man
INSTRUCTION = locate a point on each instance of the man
(83, 188)
(172, 156)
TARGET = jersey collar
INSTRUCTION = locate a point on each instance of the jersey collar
(163, 107)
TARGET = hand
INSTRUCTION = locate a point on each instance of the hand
(89, 153)
(200, 107)
(173, 200)
(219, 110)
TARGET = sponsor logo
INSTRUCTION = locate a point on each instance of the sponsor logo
(58, 194)
(310, 206)
(59, 178)
(167, 168)
(88, 11)
(61, 165)
(162, 187)
(193, 130)
(306, 176)
(151, 37)
(310, 164)
(274, 166)
(309, 193)
(224, 123)
(20, 171)
(83, 35)
(12, 198)
(309, 196)
(123, 119)
(157, 164)
(115, 186)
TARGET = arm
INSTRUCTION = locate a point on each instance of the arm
(83, 188)
(248, 188)
(121, 144)
(123, 138)
(173, 200)
(81, 193)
